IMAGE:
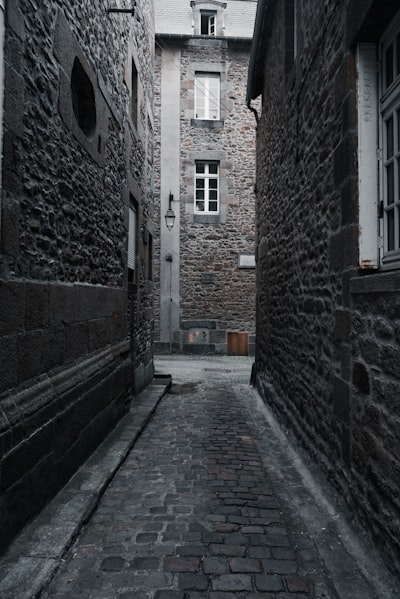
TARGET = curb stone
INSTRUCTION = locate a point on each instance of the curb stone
(36, 553)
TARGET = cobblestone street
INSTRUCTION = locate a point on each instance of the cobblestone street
(200, 299)
(200, 508)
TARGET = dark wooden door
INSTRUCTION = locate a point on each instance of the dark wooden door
(238, 344)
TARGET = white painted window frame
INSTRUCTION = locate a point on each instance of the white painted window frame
(389, 107)
(216, 13)
(211, 17)
(211, 24)
(207, 176)
(209, 94)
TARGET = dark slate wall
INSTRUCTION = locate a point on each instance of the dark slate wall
(74, 343)
(328, 347)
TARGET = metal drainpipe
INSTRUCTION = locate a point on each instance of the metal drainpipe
(254, 111)
(168, 258)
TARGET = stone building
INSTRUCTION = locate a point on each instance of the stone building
(328, 242)
(205, 148)
(76, 209)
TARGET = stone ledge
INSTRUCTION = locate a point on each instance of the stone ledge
(63, 379)
(379, 282)
(198, 324)
(207, 124)
(52, 424)
(207, 219)
(33, 558)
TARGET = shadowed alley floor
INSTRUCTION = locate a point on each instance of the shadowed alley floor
(212, 502)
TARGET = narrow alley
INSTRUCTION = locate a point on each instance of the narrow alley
(182, 182)
(210, 502)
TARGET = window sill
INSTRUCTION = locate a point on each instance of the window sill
(391, 261)
(378, 282)
(207, 219)
(207, 124)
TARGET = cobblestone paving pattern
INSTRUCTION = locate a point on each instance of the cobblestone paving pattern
(192, 514)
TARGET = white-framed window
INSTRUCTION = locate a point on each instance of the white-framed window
(208, 21)
(206, 188)
(132, 240)
(389, 120)
(207, 96)
(378, 100)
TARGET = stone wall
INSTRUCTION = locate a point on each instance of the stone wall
(177, 17)
(213, 249)
(216, 295)
(74, 341)
(157, 190)
(328, 348)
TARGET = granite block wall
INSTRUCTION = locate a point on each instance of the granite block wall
(216, 295)
(213, 287)
(327, 350)
(75, 342)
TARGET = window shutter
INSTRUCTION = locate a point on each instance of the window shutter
(211, 25)
(367, 100)
(132, 238)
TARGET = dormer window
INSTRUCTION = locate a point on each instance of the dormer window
(208, 17)
(208, 22)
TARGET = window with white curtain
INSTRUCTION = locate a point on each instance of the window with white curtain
(207, 188)
(207, 96)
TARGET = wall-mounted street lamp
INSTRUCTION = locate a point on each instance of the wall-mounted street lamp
(170, 214)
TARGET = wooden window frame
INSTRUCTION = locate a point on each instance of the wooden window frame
(389, 112)
(207, 94)
(208, 20)
(206, 177)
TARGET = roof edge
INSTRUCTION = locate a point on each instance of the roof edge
(262, 26)
(187, 36)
